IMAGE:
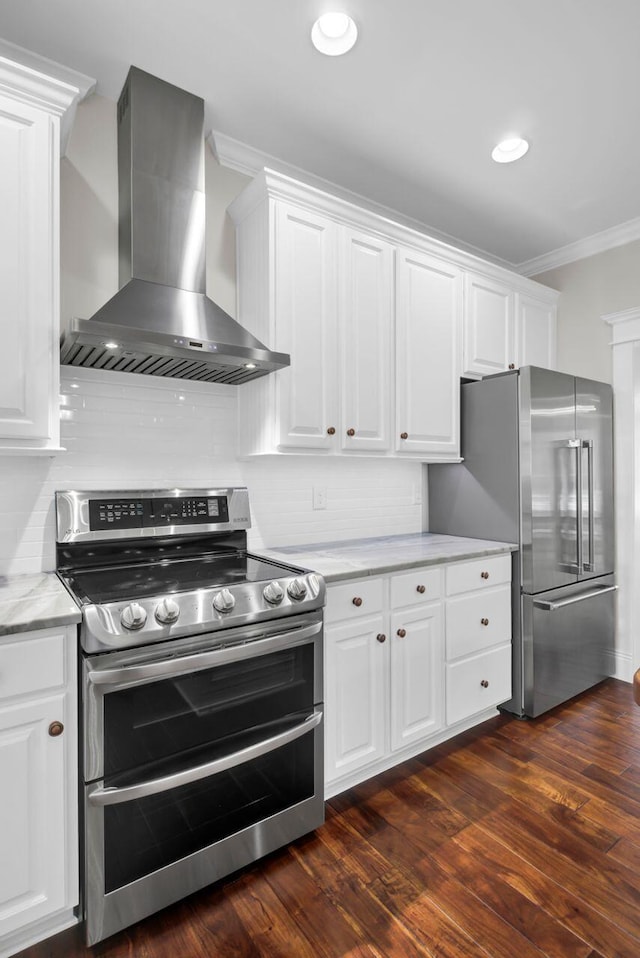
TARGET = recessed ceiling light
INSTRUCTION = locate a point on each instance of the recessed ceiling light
(509, 150)
(334, 34)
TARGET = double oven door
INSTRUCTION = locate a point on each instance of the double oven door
(200, 756)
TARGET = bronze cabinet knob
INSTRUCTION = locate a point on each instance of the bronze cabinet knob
(401, 633)
(484, 684)
(512, 365)
(421, 589)
(351, 432)
(55, 729)
(484, 621)
(331, 431)
(484, 575)
(404, 435)
(357, 601)
(381, 637)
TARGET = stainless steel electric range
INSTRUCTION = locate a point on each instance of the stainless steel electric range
(201, 695)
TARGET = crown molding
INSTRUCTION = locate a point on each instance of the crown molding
(250, 161)
(44, 83)
(625, 326)
(581, 249)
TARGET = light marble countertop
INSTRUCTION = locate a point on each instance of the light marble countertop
(361, 557)
(35, 602)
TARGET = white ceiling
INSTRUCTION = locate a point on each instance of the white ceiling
(408, 118)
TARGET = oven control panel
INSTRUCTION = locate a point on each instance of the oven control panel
(83, 516)
(131, 513)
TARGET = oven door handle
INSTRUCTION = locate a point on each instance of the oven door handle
(130, 793)
(167, 667)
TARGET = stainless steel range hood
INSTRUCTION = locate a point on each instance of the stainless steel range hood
(161, 322)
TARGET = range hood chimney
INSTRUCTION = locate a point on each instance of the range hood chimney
(161, 322)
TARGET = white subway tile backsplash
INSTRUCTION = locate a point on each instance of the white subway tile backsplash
(127, 431)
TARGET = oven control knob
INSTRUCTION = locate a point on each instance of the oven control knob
(133, 616)
(297, 588)
(167, 610)
(273, 593)
(223, 601)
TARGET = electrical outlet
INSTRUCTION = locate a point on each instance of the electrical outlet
(417, 494)
(319, 497)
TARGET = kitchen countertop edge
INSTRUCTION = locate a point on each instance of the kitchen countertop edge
(360, 558)
(30, 603)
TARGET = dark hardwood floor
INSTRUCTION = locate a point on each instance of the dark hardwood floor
(515, 840)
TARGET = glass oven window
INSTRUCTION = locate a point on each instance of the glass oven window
(147, 834)
(218, 710)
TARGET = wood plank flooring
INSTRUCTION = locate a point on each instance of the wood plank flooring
(515, 840)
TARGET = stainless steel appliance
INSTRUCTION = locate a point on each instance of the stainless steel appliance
(538, 470)
(161, 322)
(202, 704)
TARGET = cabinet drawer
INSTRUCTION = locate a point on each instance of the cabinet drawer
(478, 574)
(477, 683)
(350, 599)
(31, 663)
(478, 621)
(415, 587)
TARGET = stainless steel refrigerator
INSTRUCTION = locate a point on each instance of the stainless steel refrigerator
(538, 470)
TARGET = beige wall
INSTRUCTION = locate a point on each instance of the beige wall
(605, 283)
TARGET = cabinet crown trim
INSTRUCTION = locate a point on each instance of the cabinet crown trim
(269, 184)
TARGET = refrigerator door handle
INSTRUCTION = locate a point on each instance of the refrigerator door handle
(548, 606)
(576, 444)
(589, 566)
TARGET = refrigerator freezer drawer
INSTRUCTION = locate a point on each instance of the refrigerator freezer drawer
(566, 635)
(477, 683)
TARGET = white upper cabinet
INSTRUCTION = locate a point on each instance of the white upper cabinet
(365, 319)
(32, 105)
(428, 348)
(489, 326)
(535, 331)
(380, 322)
(506, 327)
(306, 301)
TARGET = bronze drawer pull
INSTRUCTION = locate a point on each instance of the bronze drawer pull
(484, 621)
(404, 435)
(381, 637)
(401, 633)
(484, 575)
(351, 432)
(484, 684)
(512, 365)
(357, 601)
(55, 729)
(421, 589)
(331, 431)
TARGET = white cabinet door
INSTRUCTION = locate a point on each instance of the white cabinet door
(536, 331)
(428, 350)
(356, 666)
(29, 318)
(306, 309)
(416, 674)
(33, 811)
(365, 334)
(489, 326)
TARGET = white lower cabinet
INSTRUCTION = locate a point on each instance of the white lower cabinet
(412, 658)
(416, 685)
(38, 800)
(478, 643)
